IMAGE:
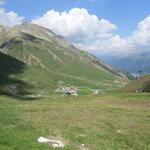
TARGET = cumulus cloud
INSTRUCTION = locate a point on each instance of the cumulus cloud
(9, 19)
(90, 33)
(138, 42)
(141, 36)
(77, 25)
(87, 31)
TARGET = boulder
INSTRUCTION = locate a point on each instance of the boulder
(53, 143)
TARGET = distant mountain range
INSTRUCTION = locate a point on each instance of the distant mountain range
(132, 63)
(35, 59)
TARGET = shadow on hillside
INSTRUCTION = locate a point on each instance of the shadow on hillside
(9, 84)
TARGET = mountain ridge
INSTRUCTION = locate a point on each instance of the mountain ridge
(54, 58)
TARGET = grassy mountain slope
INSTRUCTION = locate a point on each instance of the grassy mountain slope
(49, 59)
(139, 85)
(10, 69)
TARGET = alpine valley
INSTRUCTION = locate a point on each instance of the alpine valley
(34, 59)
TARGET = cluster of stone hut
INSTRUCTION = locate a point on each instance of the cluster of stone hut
(73, 91)
(67, 90)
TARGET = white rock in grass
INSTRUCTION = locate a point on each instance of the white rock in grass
(119, 131)
(57, 144)
(43, 140)
(53, 143)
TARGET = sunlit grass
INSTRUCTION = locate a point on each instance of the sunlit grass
(104, 122)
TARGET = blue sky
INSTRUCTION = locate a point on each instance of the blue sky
(124, 13)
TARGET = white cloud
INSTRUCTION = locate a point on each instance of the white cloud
(9, 19)
(88, 32)
(141, 36)
(77, 25)
(138, 42)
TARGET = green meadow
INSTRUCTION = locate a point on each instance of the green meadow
(102, 122)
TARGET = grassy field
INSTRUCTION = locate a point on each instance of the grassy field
(103, 122)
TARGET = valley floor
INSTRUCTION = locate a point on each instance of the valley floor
(103, 122)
